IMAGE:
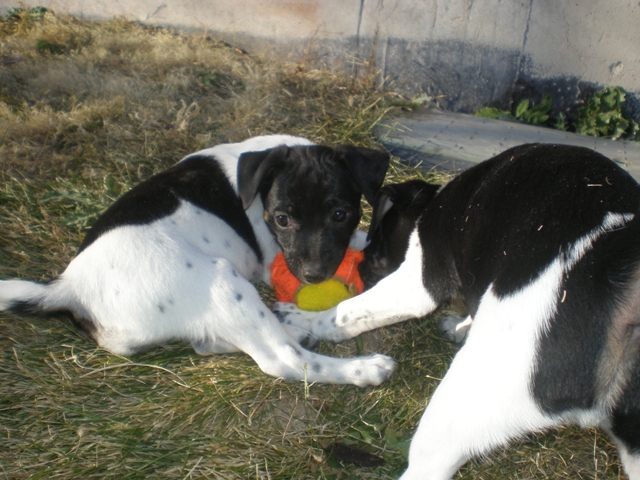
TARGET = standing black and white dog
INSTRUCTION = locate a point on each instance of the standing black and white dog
(542, 243)
(173, 258)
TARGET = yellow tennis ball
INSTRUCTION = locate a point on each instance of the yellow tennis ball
(322, 296)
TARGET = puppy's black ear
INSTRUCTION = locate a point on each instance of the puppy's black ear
(255, 168)
(410, 199)
(383, 202)
(368, 167)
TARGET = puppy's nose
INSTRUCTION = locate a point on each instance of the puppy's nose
(313, 276)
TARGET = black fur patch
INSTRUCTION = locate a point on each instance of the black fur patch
(311, 196)
(506, 219)
(310, 185)
(570, 352)
(199, 180)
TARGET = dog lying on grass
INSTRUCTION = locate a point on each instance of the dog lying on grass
(542, 243)
(173, 258)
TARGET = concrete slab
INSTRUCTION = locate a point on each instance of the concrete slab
(456, 141)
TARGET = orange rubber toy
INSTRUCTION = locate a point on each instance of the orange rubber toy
(345, 284)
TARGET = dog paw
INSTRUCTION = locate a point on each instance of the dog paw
(372, 370)
(455, 328)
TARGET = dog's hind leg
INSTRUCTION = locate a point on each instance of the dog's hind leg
(482, 403)
(485, 399)
(243, 321)
(630, 459)
(398, 297)
(625, 426)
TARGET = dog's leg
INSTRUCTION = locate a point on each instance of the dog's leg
(482, 403)
(630, 460)
(485, 399)
(249, 326)
(625, 426)
(398, 297)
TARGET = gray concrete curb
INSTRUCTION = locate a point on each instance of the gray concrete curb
(455, 141)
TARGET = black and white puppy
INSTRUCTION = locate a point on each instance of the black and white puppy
(542, 242)
(396, 208)
(174, 258)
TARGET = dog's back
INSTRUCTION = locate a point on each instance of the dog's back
(504, 221)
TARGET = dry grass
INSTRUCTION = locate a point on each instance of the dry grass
(86, 111)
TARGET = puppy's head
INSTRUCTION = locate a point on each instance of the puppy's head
(311, 197)
(396, 209)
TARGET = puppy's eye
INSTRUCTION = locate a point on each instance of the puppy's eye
(339, 216)
(282, 220)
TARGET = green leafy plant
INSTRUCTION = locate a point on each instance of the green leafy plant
(539, 115)
(561, 122)
(494, 113)
(525, 112)
(602, 116)
(35, 12)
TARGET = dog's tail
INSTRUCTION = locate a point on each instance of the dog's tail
(22, 297)
(25, 298)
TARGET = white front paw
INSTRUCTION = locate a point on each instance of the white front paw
(373, 370)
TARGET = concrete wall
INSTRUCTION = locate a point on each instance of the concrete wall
(471, 52)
